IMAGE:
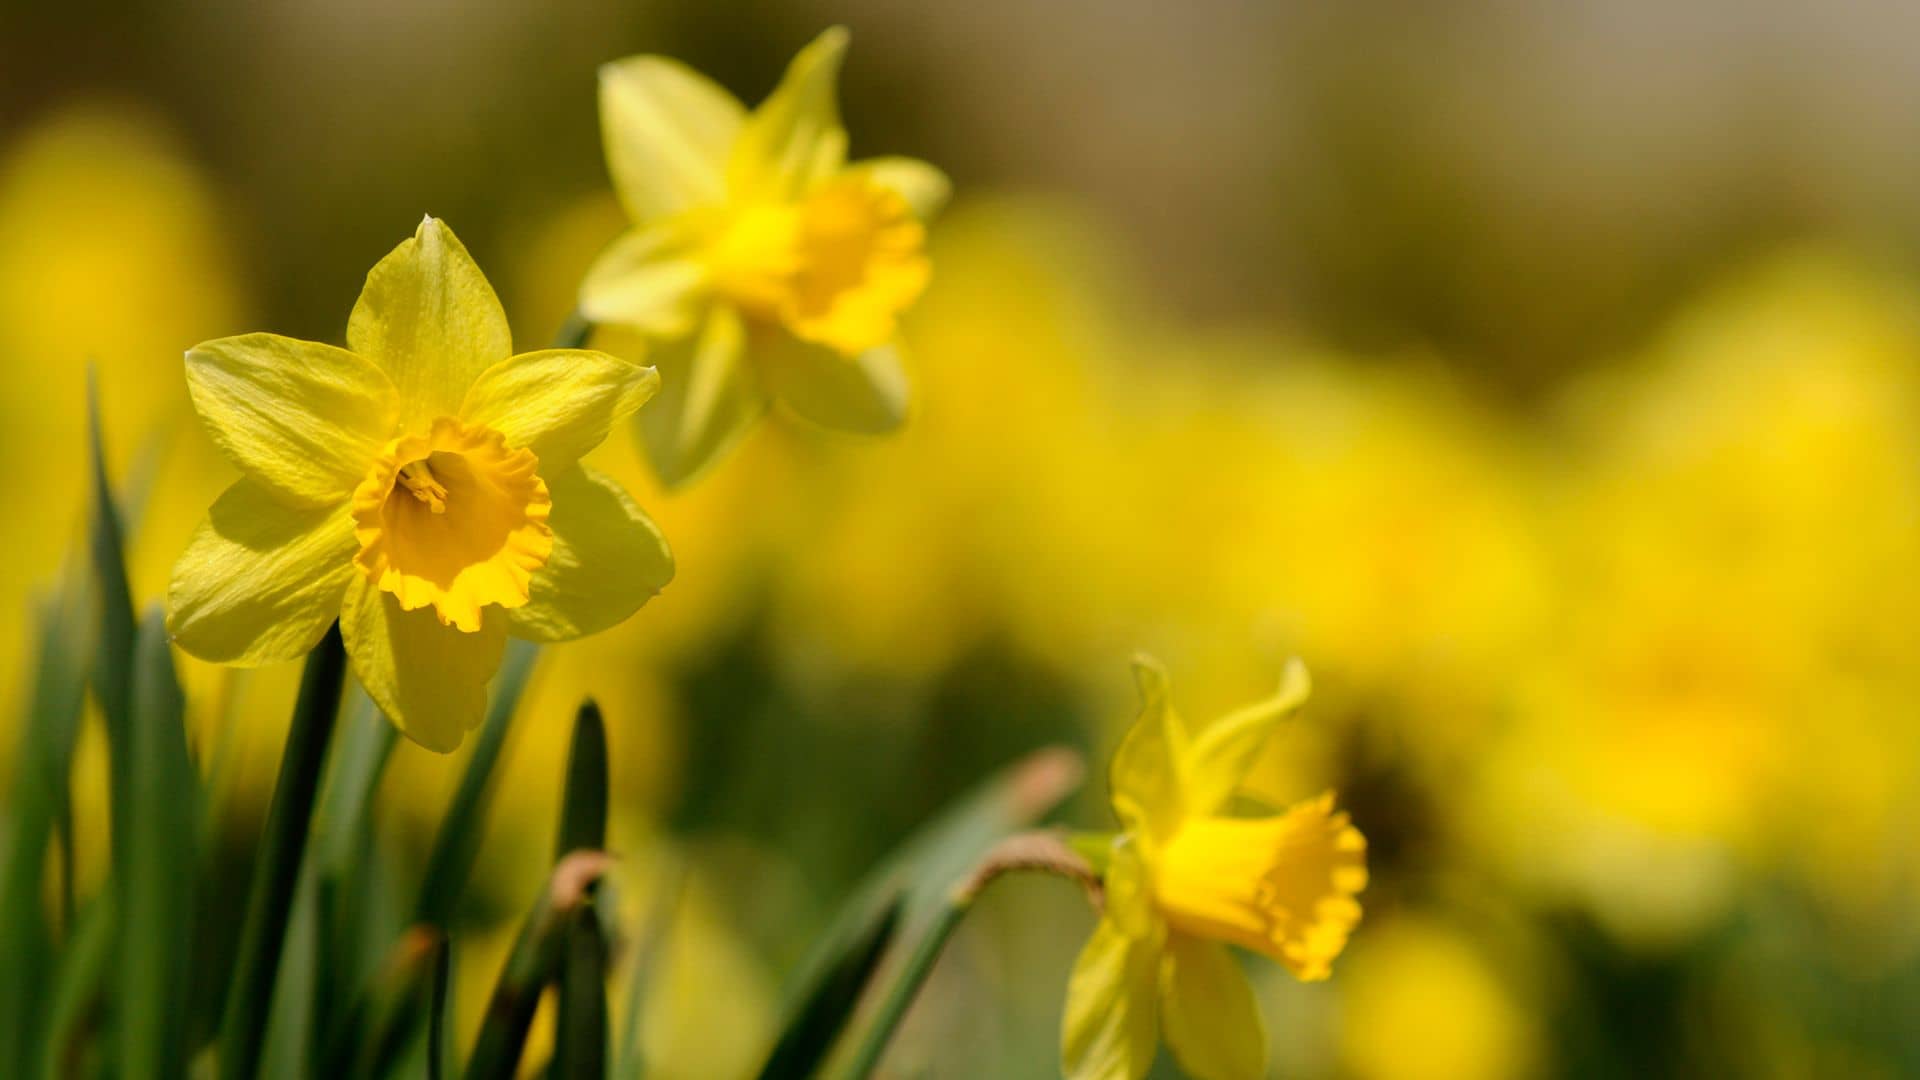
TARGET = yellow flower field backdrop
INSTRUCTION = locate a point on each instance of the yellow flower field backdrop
(1547, 382)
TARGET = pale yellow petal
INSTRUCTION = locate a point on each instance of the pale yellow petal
(708, 396)
(1225, 750)
(1209, 1014)
(302, 418)
(1111, 1026)
(924, 186)
(1145, 782)
(1127, 887)
(431, 320)
(429, 678)
(260, 580)
(794, 140)
(608, 559)
(866, 394)
(651, 279)
(666, 130)
(559, 403)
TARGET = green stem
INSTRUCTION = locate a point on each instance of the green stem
(574, 333)
(906, 987)
(270, 897)
(457, 843)
(1046, 852)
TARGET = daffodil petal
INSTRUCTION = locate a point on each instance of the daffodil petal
(429, 678)
(260, 580)
(794, 140)
(924, 186)
(666, 130)
(651, 279)
(608, 559)
(1208, 1012)
(559, 403)
(302, 418)
(1128, 889)
(1226, 749)
(1145, 782)
(708, 396)
(1111, 1026)
(431, 320)
(867, 394)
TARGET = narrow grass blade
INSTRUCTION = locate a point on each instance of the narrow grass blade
(113, 658)
(277, 870)
(364, 744)
(580, 1036)
(343, 856)
(902, 989)
(291, 1041)
(437, 1064)
(822, 1011)
(458, 840)
(376, 1031)
(670, 884)
(583, 805)
(38, 808)
(77, 990)
(920, 876)
(1042, 852)
(531, 966)
(157, 893)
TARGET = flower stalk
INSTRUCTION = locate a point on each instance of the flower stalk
(1044, 851)
(289, 818)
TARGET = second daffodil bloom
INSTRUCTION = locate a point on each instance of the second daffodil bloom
(422, 485)
(1184, 880)
(765, 264)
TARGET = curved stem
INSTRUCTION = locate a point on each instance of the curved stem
(1046, 852)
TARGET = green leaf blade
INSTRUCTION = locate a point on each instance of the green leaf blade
(580, 1035)
(583, 806)
(822, 1011)
(157, 892)
(457, 843)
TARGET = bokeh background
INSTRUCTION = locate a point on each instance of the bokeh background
(1546, 375)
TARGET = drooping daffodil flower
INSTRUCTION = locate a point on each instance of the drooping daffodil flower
(422, 485)
(1184, 880)
(761, 265)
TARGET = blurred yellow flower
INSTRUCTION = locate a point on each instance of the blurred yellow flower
(775, 268)
(1184, 879)
(428, 467)
(1421, 1001)
(114, 250)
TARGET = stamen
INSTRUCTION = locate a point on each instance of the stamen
(419, 480)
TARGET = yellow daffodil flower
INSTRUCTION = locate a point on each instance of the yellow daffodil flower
(422, 485)
(1183, 881)
(766, 265)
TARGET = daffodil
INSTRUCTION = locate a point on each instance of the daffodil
(1184, 880)
(422, 485)
(763, 263)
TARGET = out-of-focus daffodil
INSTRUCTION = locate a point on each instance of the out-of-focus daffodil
(770, 266)
(1184, 880)
(422, 487)
(1421, 1000)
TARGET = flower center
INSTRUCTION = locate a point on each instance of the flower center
(837, 269)
(454, 519)
(417, 477)
(1282, 886)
